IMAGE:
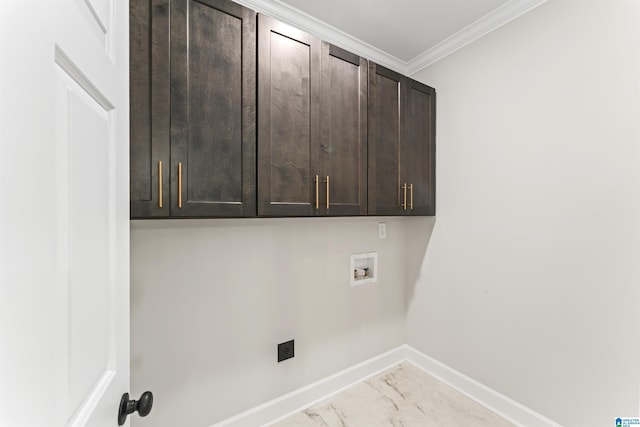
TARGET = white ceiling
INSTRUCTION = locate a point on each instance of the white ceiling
(404, 35)
(402, 28)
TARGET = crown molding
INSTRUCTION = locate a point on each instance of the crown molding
(483, 26)
(299, 19)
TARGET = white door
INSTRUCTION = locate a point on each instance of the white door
(64, 229)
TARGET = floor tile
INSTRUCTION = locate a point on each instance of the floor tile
(403, 396)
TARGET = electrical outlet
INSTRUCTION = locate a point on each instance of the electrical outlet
(285, 351)
(382, 230)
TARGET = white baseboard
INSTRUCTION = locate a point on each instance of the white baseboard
(297, 400)
(291, 403)
(507, 408)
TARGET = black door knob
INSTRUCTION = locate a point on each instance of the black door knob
(127, 407)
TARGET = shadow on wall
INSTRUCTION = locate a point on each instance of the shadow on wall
(419, 230)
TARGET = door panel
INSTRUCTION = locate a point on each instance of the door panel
(150, 98)
(290, 95)
(88, 141)
(419, 149)
(386, 132)
(98, 15)
(343, 136)
(288, 85)
(212, 109)
(212, 114)
(101, 10)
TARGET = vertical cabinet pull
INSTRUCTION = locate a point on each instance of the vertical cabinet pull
(160, 184)
(404, 203)
(327, 181)
(180, 185)
(317, 192)
(411, 196)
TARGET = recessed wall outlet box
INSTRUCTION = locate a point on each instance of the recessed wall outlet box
(285, 351)
(364, 268)
(382, 230)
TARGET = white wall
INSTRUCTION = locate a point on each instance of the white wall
(531, 280)
(211, 299)
(528, 279)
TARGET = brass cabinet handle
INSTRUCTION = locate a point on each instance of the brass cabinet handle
(160, 184)
(317, 192)
(411, 196)
(404, 204)
(327, 181)
(180, 185)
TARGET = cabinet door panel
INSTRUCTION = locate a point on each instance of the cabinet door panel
(288, 93)
(212, 109)
(419, 150)
(149, 121)
(290, 120)
(386, 130)
(343, 136)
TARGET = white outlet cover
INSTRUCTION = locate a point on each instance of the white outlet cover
(382, 230)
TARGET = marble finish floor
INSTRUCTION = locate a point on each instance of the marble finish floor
(403, 396)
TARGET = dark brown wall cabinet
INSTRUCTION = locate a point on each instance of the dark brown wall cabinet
(401, 145)
(336, 135)
(149, 126)
(418, 155)
(193, 147)
(343, 132)
(311, 125)
(288, 118)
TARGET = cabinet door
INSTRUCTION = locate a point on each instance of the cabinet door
(288, 119)
(212, 109)
(343, 132)
(149, 122)
(418, 154)
(386, 133)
